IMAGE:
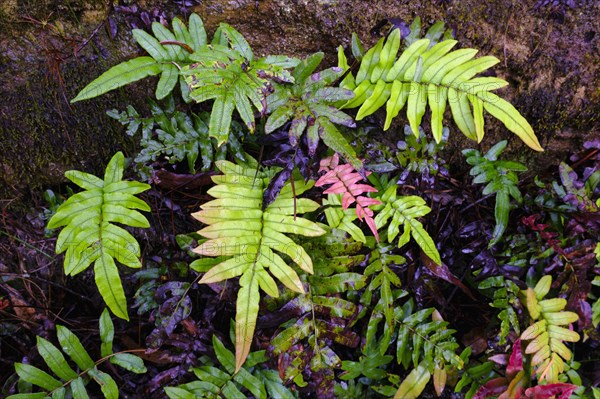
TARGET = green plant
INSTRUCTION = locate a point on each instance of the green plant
(53, 202)
(309, 103)
(90, 234)
(176, 136)
(431, 74)
(404, 211)
(169, 52)
(546, 333)
(418, 155)
(226, 381)
(227, 72)
(73, 383)
(501, 179)
(313, 325)
(422, 340)
(504, 295)
(474, 375)
(241, 230)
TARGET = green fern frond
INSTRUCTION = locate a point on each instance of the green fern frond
(433, 76)
(226, 72)
(309, 103)
(223, 380)
(501, 179)
(338, 218)
(168, 52)
(424, 345)
(503, 293)
(90, 235)
(548, 331)
(251, 238)
(474, 375)
(72, 382)
(404, 211)
(177, 136)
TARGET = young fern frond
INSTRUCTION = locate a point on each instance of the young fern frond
(404, 211)
(90, 235)
(548, 331)
(250, 237)
(344, 180)
(426, 74)
(71, 382)
(168, 51)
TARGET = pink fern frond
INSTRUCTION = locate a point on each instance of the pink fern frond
(343, 179)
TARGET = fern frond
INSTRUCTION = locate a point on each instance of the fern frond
(222, 380)
(168, 51)
(72, 382)
(177, 136)
(404, 211)
(90, 235)
(344, 180)
(309, 103)
(503, 294)
(251, 238)
(548, 332)
(309, 323)
(501, 179)
(227, 73)
(432, 75)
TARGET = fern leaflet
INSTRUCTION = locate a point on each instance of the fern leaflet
(404, 211)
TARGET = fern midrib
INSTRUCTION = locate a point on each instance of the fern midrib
(255, 260)
(100, 241)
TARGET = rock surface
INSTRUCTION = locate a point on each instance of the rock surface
(50, 49)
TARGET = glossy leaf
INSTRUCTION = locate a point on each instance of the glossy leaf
(37, 377)
(414, 384)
